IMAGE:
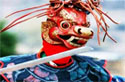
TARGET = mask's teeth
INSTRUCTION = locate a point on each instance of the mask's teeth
(75, 44)
(74, 41)
(77, 38)
(71, 38)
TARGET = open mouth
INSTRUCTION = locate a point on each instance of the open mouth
(73, 41)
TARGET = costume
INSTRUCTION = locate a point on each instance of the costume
(82, 69)
(66, 27)
(79, 69)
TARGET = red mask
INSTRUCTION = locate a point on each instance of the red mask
(69, 27)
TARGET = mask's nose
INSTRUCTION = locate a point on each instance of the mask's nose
(83, 31)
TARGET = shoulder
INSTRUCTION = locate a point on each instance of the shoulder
(92, 61)
(15, 59)
(95, 70)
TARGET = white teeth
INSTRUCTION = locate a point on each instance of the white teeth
(71, 38)
(77, 38)
(75, 44)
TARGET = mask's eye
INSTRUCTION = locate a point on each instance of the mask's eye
(65, 24)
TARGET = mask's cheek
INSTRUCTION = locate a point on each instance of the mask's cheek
(53, 33)
(50, 37)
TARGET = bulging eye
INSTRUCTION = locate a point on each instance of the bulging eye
(65, 24)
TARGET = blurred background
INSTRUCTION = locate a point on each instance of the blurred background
(26, 37)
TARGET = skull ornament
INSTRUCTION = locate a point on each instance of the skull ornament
(69, 27)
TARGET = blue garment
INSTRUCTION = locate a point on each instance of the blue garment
(118, 79)
(83, 69)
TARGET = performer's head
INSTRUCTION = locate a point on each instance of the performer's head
(68, 27)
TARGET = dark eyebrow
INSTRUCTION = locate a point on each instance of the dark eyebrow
(87, 24)
(74, 23)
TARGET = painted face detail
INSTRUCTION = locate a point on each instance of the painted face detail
(69, 27)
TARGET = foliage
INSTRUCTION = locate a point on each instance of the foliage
(7, 42)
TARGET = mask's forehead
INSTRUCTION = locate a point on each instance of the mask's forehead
(73, 15)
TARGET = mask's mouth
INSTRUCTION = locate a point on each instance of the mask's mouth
(72, 41)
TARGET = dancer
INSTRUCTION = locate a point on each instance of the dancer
(66, 28)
